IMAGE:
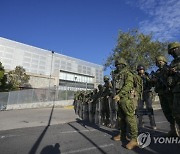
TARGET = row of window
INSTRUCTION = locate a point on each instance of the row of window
(72, 88)
(76, 78)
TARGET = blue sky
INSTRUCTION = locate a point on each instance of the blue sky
(86, 29)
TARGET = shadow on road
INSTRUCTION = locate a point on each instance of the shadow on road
(84, 123)
(152, 148)
(50, 149)
(37, 143)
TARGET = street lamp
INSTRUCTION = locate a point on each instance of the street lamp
(52, 52)
(75, 83)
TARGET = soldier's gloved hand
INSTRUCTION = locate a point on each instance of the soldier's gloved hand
(116, 98)
(170, 81)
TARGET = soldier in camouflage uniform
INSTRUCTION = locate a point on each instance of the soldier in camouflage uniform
(126, 109)
(75, 103)
(174, 82)
(146, 96)
(165, 94)
(106, 101)
(87, 97)
(98, 119)
(81, 103)
(92, 106)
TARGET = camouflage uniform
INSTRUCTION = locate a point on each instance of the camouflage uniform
(92, 106)
(75, 101)
(87, 97)
(124, 85)
(174, 79)
(163, 90)
(98, 114)
(106, 103)
(81, 103)
(146, 97)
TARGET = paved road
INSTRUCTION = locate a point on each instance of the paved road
(13, 119)
(77, 137)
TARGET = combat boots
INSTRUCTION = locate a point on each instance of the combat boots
(117, 137)
(120, 138)
(132, 144)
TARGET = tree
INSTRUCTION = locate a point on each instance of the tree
(136, 48)
(3, 79)
(17, 78)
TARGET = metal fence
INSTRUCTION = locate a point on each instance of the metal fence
(33, 96)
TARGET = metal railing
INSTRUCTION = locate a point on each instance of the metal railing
(33, 96)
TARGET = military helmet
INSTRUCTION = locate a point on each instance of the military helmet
(140, 67)
(100, 86)
(120, 61)
(173, 45)
(95, 90)
(106, 78)
(161, 58)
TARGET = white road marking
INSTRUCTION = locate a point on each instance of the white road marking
(88, 149)
(65, 132)
(2, 137)
(75, 131)
(159, 122)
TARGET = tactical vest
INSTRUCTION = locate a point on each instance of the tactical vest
(175, 77)
(161, 87)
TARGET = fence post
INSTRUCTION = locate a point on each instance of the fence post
(18, 97)
(8, 98)
(32, 95)
(66, 92)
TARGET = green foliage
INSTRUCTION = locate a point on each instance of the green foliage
(17, 78)
(3, 79)
(136, 48)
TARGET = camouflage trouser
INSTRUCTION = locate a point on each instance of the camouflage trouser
(85, 111)
(105, 111)
(127, 118)
(92, 110)
(112, 110)
(147, 99)
(80, 109)
(166, 102)
(98, 119)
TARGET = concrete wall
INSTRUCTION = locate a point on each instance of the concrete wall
(40, 105)
(42, 81)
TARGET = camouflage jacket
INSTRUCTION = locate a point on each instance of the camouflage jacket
(175, 64)
(124, 83)
(147, 84)
(161, 85)
(107, 89)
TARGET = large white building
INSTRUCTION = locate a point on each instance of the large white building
(48, 68)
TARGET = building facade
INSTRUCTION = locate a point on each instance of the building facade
(50, 69)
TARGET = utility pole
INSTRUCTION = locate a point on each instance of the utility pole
(75, 83)
(52, 52)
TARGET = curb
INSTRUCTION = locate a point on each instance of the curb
(69, 107)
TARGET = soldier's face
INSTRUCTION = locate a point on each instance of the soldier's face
(119, 66)
(141, 71)
(175, 52)
(160, 63)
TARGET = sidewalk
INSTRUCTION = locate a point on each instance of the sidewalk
(14, 119)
